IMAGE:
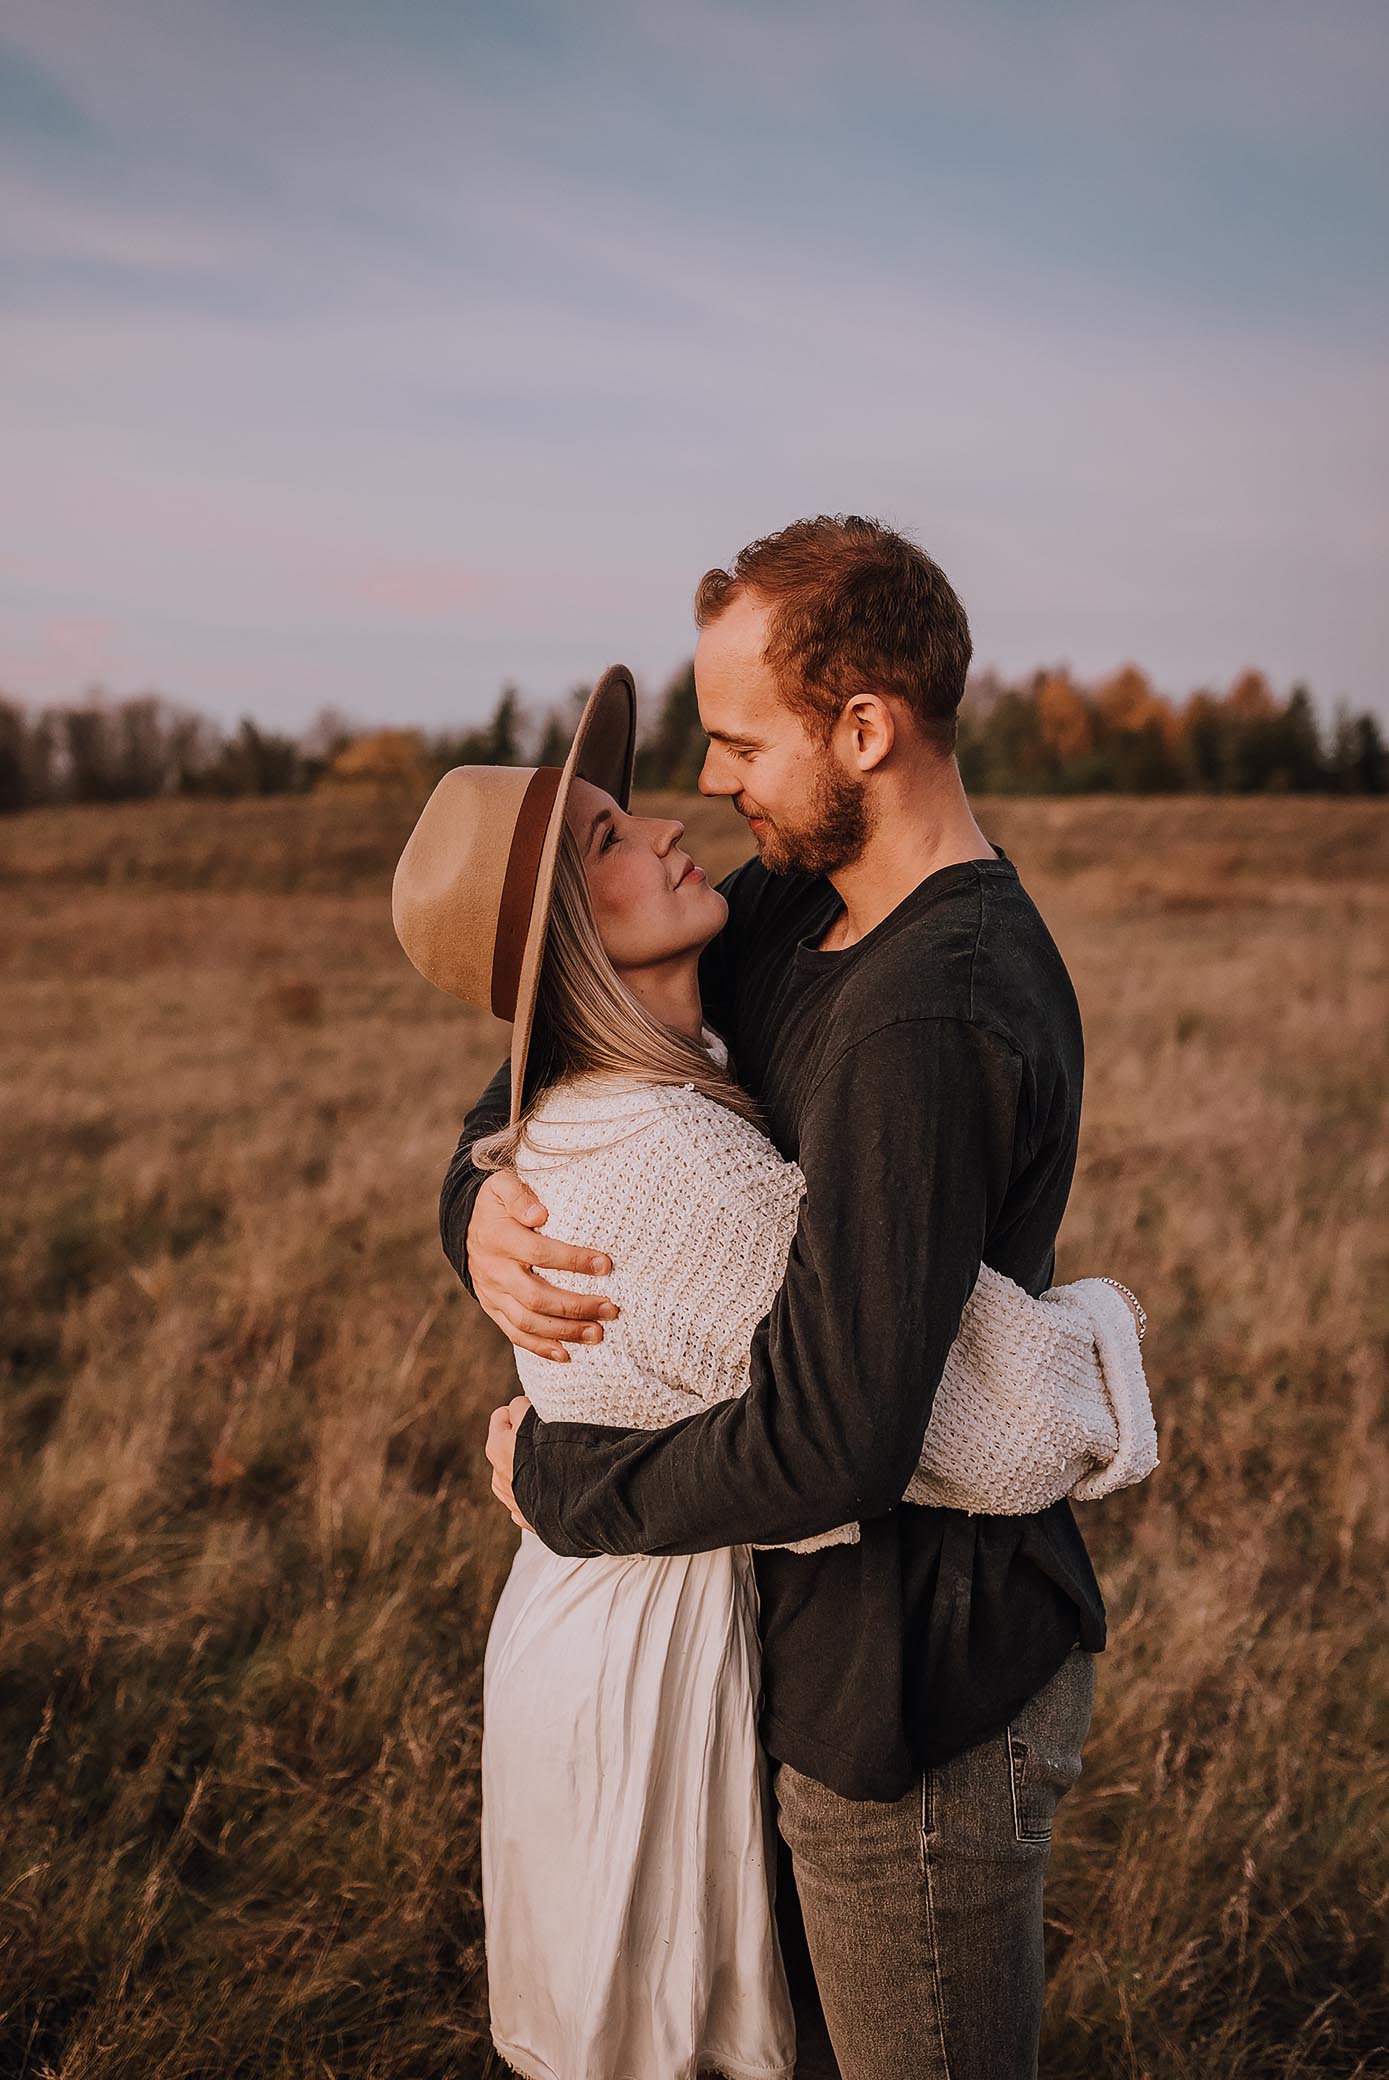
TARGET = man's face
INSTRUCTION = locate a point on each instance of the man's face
(806, 810)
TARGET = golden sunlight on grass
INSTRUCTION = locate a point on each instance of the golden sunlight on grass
(250, 1553)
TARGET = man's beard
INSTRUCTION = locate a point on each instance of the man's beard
(834, 834)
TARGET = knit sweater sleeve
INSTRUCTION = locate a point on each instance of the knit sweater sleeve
(1039, 1398)
(695, 1208)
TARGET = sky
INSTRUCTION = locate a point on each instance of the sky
(373, 353)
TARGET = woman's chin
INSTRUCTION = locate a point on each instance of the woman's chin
(717, 908)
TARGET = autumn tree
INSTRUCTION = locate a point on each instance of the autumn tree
(1139, 735)
(1047, 734)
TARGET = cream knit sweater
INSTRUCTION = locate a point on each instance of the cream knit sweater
(697, 1209)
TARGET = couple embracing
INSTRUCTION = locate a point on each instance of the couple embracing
(766, 1199)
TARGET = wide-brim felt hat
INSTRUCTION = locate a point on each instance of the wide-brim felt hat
(472, 890)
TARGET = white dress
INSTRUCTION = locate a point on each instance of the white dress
(628, 1844)
(628, 1850)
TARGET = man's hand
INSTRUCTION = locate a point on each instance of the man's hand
(502, 1247)
(501, 1452)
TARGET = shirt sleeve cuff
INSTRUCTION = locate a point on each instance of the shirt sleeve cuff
(523, 1466)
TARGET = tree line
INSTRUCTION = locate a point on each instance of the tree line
(1047, 734)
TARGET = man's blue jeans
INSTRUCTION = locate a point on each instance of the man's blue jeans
(924, 1914)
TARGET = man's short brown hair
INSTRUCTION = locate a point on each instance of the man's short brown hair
(856, 608)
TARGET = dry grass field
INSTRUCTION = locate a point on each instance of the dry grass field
(248, 1548)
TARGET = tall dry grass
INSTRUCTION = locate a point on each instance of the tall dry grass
(249, 1552)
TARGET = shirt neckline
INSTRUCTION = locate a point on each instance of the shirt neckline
(715, 1046)
(809, 955)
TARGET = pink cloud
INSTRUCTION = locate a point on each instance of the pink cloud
(60, 656)
(448, 588)
(433, 588)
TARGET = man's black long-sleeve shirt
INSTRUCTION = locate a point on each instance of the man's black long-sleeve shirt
(927, 1079)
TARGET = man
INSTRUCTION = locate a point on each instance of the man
(894, 999)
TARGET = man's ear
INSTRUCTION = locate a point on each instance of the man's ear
(873, 729)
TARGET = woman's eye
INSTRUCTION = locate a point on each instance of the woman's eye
(609, 834)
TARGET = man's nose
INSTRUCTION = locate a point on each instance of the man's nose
(709, 781)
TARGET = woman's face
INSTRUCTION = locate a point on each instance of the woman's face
(650, 902)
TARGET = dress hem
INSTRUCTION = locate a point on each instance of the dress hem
(512, 2057)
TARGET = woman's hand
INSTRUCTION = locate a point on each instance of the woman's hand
(502, 1247)
(501, 1453)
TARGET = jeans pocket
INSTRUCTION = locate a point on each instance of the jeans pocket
(1045, 1740)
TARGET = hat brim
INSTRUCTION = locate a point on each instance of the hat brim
(603, 752)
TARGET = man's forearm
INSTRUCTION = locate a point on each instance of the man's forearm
(744, 1472)
(462, 1182)
(812, 1444)
(845, 1367)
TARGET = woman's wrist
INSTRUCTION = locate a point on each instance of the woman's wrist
(1139, 1316)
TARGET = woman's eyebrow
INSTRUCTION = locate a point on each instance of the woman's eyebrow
(603, 816)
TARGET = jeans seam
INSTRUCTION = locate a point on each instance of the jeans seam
(932, 1934)
(922, 1831)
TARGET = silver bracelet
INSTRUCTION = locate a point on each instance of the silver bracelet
(1137, 1308)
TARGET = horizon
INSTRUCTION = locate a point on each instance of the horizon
(532, 714)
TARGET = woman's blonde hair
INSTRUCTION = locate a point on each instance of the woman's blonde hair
(591, 1023)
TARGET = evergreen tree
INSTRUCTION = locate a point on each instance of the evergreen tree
(558, 726)
(504, 730)
(1371, 755)
(1204, 747)
(86, 752)
(257, 761)
(1007, 755)
(553, 748)
(1359, 762)
(1045, 735)
(14, 763)
(1298, 762)
(676, 751)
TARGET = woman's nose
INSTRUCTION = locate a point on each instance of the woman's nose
(675, 831)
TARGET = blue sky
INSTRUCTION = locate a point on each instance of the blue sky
(374, 354)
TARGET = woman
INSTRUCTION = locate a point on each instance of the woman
(627, 1835)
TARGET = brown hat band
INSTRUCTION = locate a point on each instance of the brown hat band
(518, 887)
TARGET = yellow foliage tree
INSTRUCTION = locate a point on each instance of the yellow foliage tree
(1250, 699)
(384, 761)
(1063, 719)
(1127, 700)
